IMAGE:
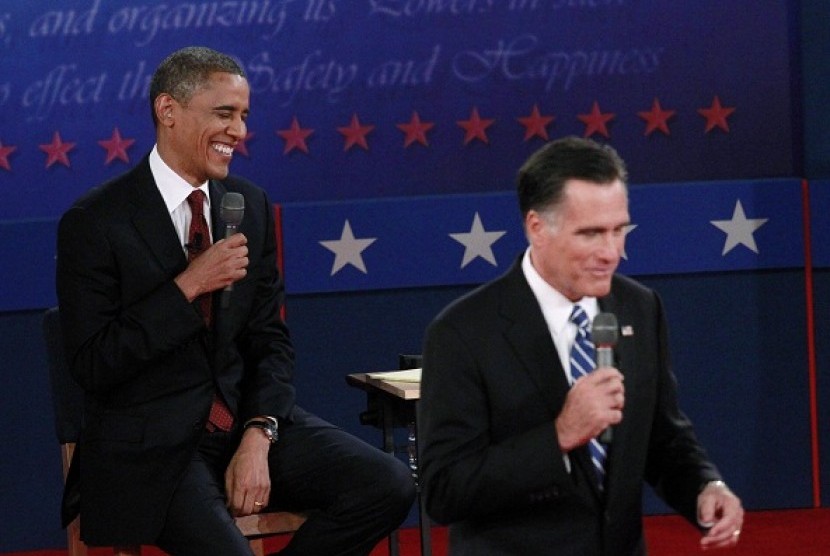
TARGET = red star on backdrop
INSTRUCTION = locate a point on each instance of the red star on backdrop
(475, 127)
(657, 118)
(415, 130)
(57, 151)
(595, 121)
(116, 147)
(355, 133)
(4, 155)
(295, 137)
(536, 124)
(242, 145)
(716, 115)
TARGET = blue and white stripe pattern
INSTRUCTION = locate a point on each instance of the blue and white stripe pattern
(583, 361)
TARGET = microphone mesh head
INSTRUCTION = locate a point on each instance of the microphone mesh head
(232, 209)
(605, 330)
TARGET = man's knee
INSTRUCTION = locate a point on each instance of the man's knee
(398, 484)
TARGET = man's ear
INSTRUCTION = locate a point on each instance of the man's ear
(539, 228)
(534, 225)
(164, 107)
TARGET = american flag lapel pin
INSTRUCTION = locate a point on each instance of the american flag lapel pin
(627, 330)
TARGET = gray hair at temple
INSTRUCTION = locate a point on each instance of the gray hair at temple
(542, 178)
(186, 71)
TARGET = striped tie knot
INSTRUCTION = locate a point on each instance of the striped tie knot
(583, 353)
(580, 318)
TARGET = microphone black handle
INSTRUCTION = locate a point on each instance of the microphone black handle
(226, 293)
(605, 358)
(606, 436)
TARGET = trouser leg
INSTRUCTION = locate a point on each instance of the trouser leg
(359, 494)
(198, 522)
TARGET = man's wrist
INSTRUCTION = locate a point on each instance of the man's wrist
(717, 483)
(267, 424)
(562, 437)
(189, 291)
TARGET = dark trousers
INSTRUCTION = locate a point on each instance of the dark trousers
(354, 494)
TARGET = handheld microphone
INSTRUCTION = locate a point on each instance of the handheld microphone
(231, 211)
(605, 333)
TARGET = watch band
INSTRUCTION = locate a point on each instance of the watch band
(268, 425)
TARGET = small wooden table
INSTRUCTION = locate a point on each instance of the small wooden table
(392, 404)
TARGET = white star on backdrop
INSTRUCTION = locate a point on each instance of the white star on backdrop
(627, 230)
(347, 249)
(478, 242)
(739, 230)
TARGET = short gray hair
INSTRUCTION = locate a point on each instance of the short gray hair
(542, 178)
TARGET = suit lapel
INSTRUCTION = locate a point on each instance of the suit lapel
(612, 304)
(152, 220)
(216, 190)
(527, 332)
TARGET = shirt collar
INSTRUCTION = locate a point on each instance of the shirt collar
(173, 188)
(556, 308)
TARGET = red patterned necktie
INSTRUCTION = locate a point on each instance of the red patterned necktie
(198, 240)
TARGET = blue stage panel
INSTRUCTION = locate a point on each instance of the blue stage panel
(820, 222)
(451, 240)
(27, 273)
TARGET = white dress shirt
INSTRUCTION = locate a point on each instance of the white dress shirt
(556, 308)
(175, 190)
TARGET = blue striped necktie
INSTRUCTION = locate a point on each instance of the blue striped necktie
(583, 357)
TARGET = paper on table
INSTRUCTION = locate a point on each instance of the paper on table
(409, 375)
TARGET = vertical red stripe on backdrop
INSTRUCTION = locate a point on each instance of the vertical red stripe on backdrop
(811, 344)
(280, 262)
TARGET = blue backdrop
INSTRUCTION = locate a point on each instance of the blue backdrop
(74, 74)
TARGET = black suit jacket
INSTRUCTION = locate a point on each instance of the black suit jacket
(490, 461)
(147, 363)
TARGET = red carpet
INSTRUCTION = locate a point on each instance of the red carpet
(778, 533)
(769, 533)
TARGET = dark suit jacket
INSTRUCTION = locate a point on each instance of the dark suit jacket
(490, 461)
(147, 363)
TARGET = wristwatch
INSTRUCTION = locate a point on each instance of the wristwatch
(268, 425)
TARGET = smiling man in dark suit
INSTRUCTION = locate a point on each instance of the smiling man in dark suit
(190, 415)
(510, 420)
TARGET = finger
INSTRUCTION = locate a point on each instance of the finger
(619, 400)
(721, 540)
(616, 417)
(235, 240)
(229, 491)
(236, 497)
(604, 374)
(706, 511)
(252, 504)
(724, 532)
(609, 383)
(260, 502)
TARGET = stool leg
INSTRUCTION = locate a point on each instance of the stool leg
(257, 547)
(74, 545)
